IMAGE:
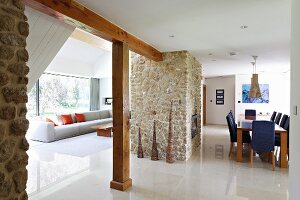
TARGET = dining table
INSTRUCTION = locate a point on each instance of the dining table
(246, 125)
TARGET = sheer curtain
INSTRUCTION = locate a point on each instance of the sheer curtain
(95, 94)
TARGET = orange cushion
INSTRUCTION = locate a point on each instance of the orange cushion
(49, 120)
(80, 117)
(67, 119)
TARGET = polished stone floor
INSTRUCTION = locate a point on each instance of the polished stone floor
(208, 174)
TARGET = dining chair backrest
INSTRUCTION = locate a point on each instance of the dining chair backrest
(287, 128)
(250, 112)
(273, 116)
(263, 136)
(231, 114)
(283, 120)
(287, 124)
(278, 117)
(231, 127)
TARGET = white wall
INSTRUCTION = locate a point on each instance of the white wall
(63, 65)
(105, 91)
(46, 36)
(294, 176)
(216, 114)
(279, 93)
(103, 67)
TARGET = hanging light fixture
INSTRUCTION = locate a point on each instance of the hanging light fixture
(254, 89)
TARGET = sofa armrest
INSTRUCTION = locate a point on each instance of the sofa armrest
(41, 131)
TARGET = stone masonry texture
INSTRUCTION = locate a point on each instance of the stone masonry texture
(13, 96)
(153, 86)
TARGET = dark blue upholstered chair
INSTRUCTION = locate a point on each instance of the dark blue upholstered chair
(287, 128)
(233, 133)
(263, 139)
(277, 119)
(231, 114)
(250, 114)
(283, 120)
(273, 116)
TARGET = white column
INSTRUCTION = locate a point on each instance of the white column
(294, 173)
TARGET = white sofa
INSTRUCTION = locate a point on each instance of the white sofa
(43, 131)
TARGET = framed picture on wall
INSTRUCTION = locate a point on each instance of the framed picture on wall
(220, 97)
(264, 89)
(108, 101)
(220, 91)
(220, 102)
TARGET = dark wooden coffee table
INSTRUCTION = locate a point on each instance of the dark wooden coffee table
(104, 129)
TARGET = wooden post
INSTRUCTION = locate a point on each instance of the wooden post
(120, 87)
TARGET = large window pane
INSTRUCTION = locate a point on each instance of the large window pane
(62, 94)
(31, 105)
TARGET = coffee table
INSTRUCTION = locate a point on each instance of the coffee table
(104, 129)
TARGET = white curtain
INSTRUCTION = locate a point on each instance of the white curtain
(95, 94)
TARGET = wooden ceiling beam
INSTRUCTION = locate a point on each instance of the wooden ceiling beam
(75, 14)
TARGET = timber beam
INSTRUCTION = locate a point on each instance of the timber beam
(77, 15)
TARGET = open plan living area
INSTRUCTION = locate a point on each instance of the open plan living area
(134, 100)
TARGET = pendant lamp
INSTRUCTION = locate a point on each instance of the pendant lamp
(254, 89)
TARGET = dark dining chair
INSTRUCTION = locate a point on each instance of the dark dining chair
(233, 133)
(231, 114)
(283, 120)
(273, 116)
(277, 119)
(277, 137)
(263, 139)
(250, 114)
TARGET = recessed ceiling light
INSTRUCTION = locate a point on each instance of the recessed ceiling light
(171, 36)
(243, 26)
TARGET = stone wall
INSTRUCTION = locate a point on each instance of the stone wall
(193, 102)
(153, 86)
(13, 81)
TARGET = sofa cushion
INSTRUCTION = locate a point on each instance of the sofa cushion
(67, 119)
(66, 131)
(54, 118)
(104, 121)
(85, 127)
(80, 117)
(104, 114)
(50, 120)
(92, 115)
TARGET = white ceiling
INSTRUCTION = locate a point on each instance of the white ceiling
(209, 26)
(83, 55)
(77, 50)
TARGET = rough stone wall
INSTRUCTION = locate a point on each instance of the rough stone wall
(13, 124)
(193, 103)
(153, 86)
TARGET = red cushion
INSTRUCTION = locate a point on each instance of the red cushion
(50, 120)
(67, 119)
(80, 117)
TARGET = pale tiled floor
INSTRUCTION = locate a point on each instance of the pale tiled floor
(209, 174)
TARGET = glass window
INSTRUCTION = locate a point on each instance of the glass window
(32, 104)
(63, 94)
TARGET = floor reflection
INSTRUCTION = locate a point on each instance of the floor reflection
(46, 168)
(208, 174)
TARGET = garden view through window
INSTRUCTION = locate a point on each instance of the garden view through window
(59, 94)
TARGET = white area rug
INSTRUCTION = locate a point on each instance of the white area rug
(79, 146)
